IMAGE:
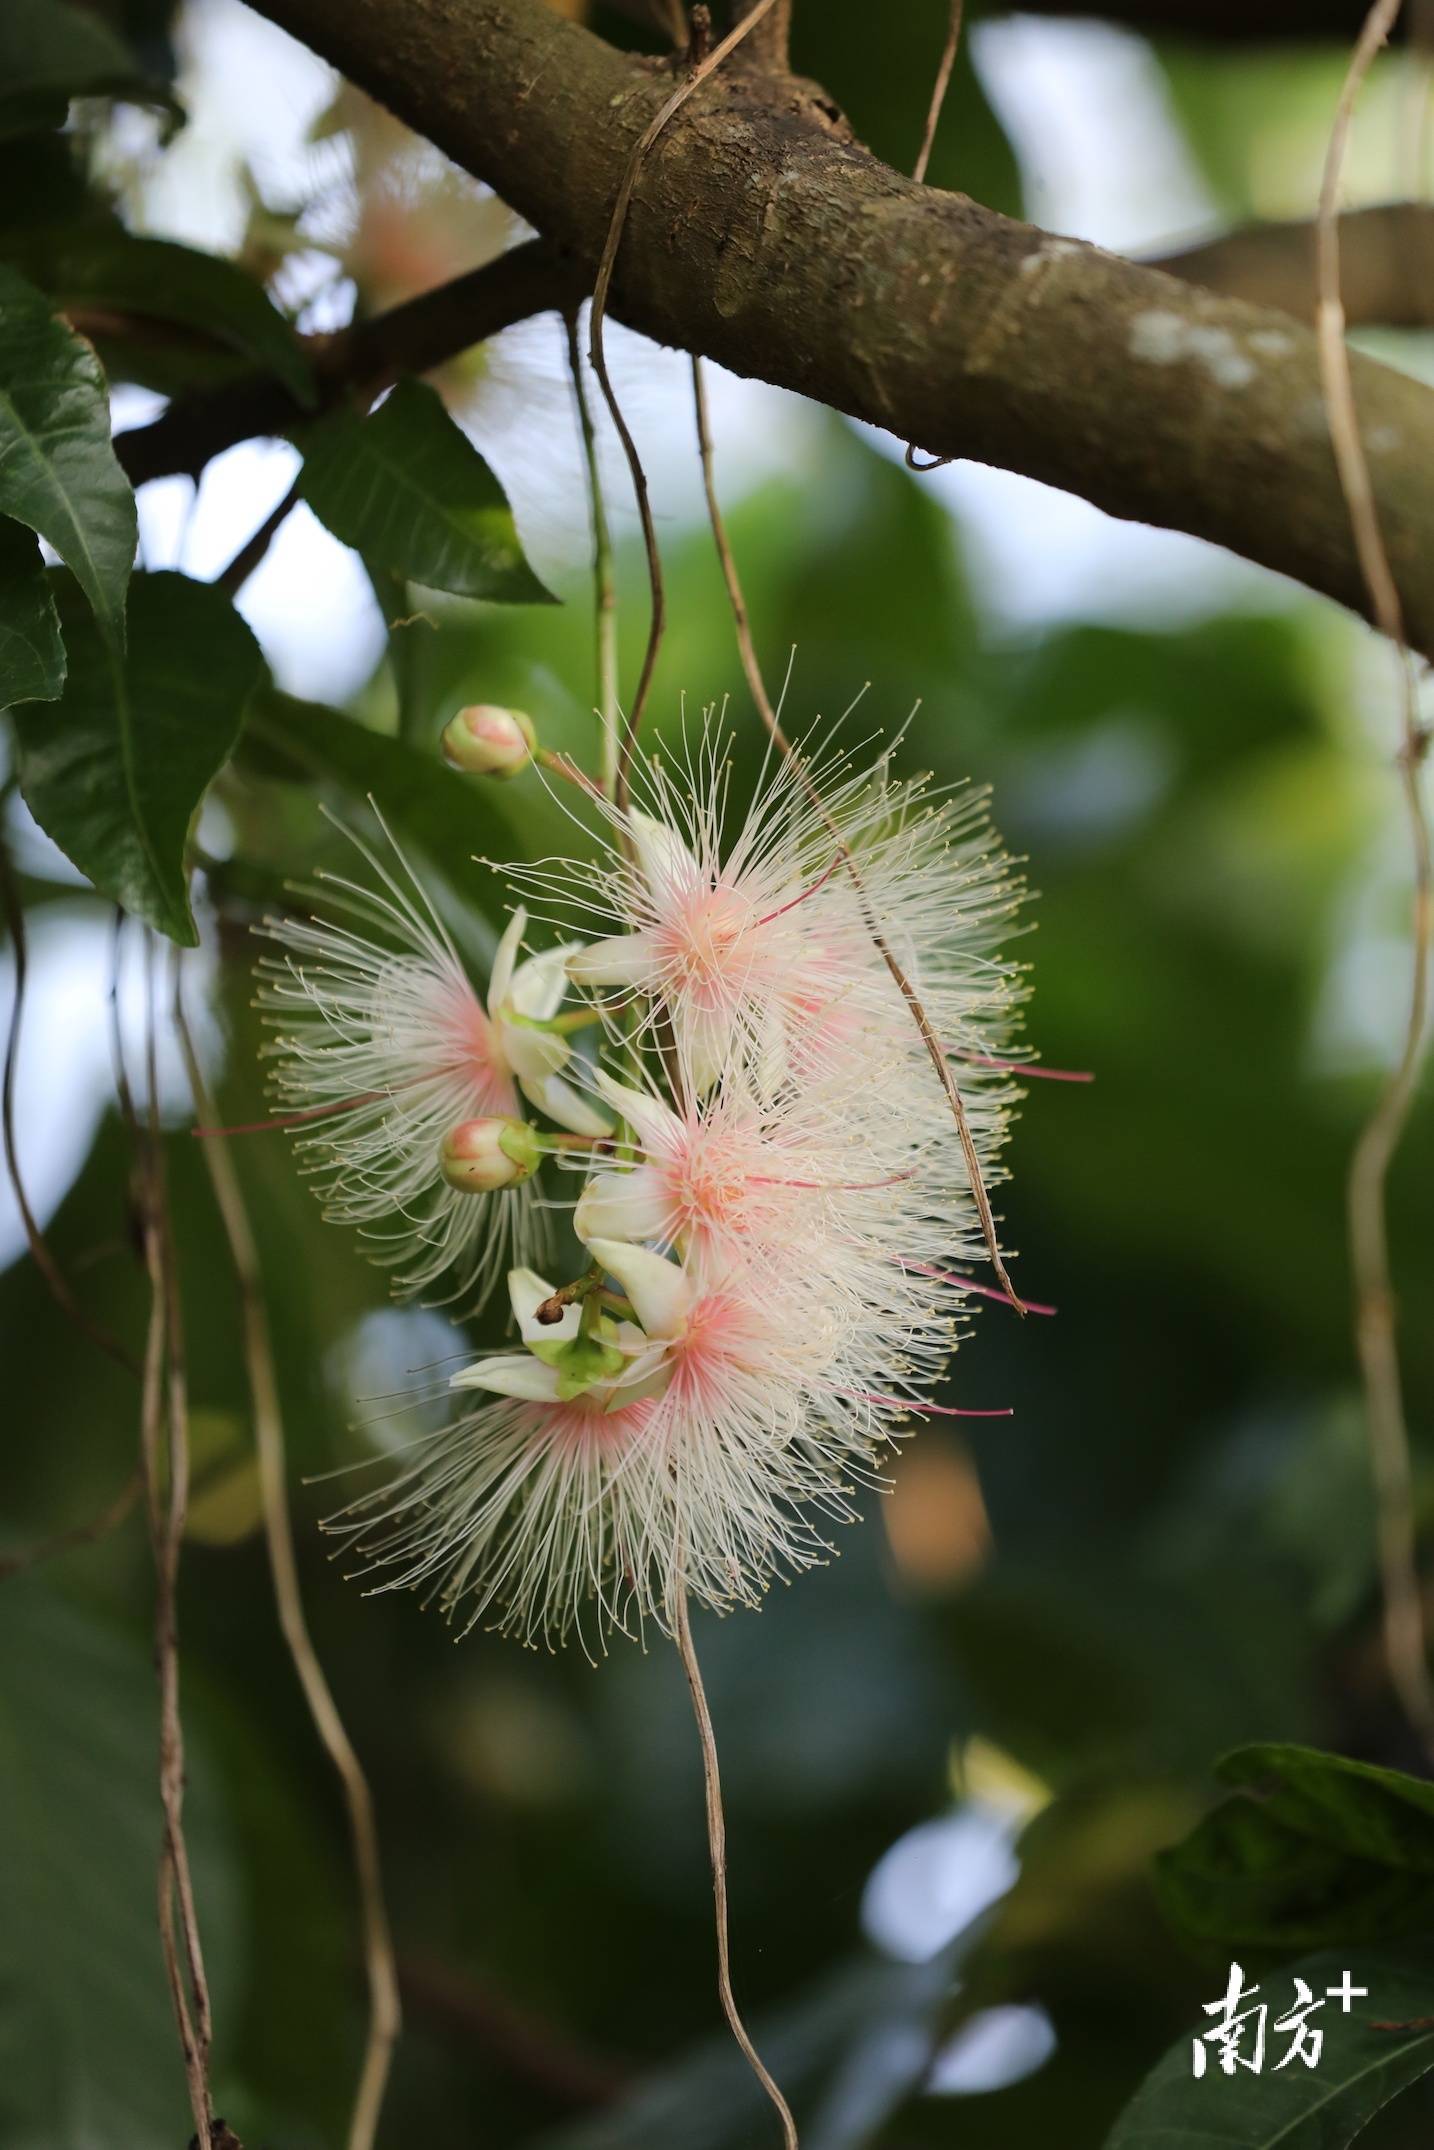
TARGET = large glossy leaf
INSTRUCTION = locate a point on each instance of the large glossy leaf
(89, 2054)
(115, 772)
(104, 266)
(51, 52)
(407, 488)
(1384, 2044)
(32, 656)
(58, 472)
(1309, 1849)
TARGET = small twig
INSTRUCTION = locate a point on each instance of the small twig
(40, 1253)
(770, 48)
(1405, 1640)
(717, 1845)
(250, 554)
(938, 90)
(604, 581)
(79, 1534)
(385, 2020)
(526, 2044)
(698, 74)
(940, 1059)
(165, 1450)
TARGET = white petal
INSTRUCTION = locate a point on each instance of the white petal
(623, 1205)
(707, 1039)
(561, 1102)
(529, 1054)
(621, 959)
(501, 977)
(527, 1290)
(540, 983)
(660, 1293)
(655, 1123)
(518, 1375)
(647, 1376)
(668, 867)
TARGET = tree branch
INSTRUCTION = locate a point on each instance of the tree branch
(410, 338)
(1386, 257)
(762, 236)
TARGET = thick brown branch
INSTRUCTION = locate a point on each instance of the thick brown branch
(408, 339)
(1387, 266)
(762, 236)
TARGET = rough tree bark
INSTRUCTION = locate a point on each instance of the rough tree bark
(762, 235)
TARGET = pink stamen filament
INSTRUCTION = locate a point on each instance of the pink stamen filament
(987, 1291)
(296, 1119)
(756, 1179)
(1024, 1068)
(924, 1410)
(782, 909)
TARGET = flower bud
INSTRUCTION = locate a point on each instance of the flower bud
(488, 741)
(479, 1155)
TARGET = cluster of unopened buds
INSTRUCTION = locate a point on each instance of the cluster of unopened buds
(714, 1074)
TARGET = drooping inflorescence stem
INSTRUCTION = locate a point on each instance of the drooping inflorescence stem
(1405, 1637)
(385, 2020)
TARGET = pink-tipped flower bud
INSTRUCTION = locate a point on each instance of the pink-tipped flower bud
(488, 741)
(478, 1156)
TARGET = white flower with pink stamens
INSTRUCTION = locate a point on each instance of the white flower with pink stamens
(780, 1224)
(760, 942)
(699, 1465)
(385, 1047)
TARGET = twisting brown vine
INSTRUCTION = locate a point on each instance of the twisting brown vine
(1405, 1637)
(698, 73)
(940, 1059)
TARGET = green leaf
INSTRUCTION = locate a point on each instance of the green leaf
(51, 52)
(89, 2053)
(116, 771)
(105, 266)
(1360, 2069)
(448, 817)
(58, 472)
(32, 656)
(1374, 1813)
(407, 488)
(1310, 1849)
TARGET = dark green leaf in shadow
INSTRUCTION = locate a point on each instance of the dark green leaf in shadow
(451, 819)
(1384, 2044)
(407, 488)
(89, 2054)
(1374, 1813)
(1310, 1849)
(1243, 1878)
(115, 771)
(51, 52)
(58, 472)
(32, 656)
(104, 267)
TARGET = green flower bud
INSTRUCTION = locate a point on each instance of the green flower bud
(480, 1155)
(488, 741)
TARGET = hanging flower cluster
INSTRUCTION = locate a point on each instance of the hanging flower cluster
(773, 1212)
